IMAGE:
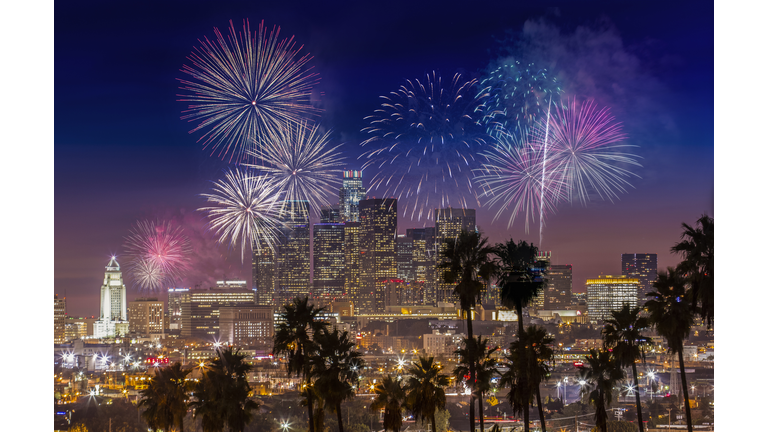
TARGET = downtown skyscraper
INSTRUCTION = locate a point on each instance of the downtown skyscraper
(350, 195)
(642, 266)
(378, 245)
(328, 256)
(113, 316)
(449, 222)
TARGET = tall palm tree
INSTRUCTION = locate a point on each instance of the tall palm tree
(698, 249)
(621, 334)
(602, 372)
(222, 393)
(425, 390)
(520, 279)
(165, 399)
(671, 308)
(467, 259)
(390, 396)
(529, 357)
(334, 368)
(486, 369)
(299, 321)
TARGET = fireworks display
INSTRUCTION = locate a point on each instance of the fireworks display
(244, 87)
(423, 140)
(244, 210)
(587, 147)
(300, 162)
(520, 93)
(514, 180)
(158, 254)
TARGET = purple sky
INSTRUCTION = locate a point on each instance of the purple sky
(122, 153)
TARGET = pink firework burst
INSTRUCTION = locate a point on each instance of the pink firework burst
(158, 253)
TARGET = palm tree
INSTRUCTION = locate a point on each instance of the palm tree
(671, 309)
(467, 258)
(299, 321)
(391, 397)
(222, 393)
(520, 280)
(165, 398)
(698, 249)
(486, 369)
(425, 393)
(621, 334)
(334, 367)
(602, 373)
(529, 358)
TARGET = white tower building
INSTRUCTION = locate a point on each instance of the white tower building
(113, 316)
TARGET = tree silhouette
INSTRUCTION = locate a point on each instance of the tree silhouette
(486, 368)
(602, 372)
(334, 368)
(698, 249)
(165, 398)
(425, 390)
(390, 396)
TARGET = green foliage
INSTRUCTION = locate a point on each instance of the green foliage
(95, 415)
(442, 418)
(576, 408)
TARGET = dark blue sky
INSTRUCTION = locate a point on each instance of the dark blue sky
(122, 153)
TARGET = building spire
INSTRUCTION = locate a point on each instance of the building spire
(113, 265)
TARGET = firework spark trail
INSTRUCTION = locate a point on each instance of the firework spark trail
(158, 253)
(298, 160)
(543, 176)
(245, 210)
(245, 86)
(513, 179)
(516, 91)
(588, 149)
(423, 140)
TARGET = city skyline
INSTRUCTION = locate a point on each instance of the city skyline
(670, 81)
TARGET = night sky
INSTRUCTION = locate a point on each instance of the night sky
(122, 153)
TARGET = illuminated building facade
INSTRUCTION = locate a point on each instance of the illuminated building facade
(59, 319)
(350, 195)
(352, 260)
(247, 326)
(146, 316)
(293, 259)
(642, 266)
(609, 293)
(201, 308)
(176, 297)
(113, 317)
(449, 222)
(423, 258)
(399, 292)
(405, 268)
(378, 242)
(328, 248)
(557, 294)
(264, 272)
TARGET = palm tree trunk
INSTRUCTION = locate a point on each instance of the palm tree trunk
(541, 409)
(434, 423)
(685, 388)
(519, 309)
(637, 399)
(311, 410)
(338, 417)
(602, 419)
(472, 382)
(481, 412)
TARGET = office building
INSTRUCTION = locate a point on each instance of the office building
(113, 317)
(201, 307)
(247, 326)
(330, 215)
(405, 268)
(537, 303)
(378, 241)
(352, 261)
(264, 272)
(59, 319)
(176, 297)
(449, 222)
(609, 293)
(423, 256)
(643, 267)
(350, 195)
(557, 294)
(146, 316)
(328, 260)
(403, 293)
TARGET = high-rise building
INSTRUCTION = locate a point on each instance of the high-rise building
(449, 222)
(281, 272)
(350, 195)
(352, 261)
(557, 294)
(424, 261)
(378, 240)
(146, 316)
(537, 303)
(328, 259)
(609, 293)
(113, 317)
(201, 307)
(405, 268)
(176, 297)
(59, 319)
(330, 215)
(644, 268)
(251, 326)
